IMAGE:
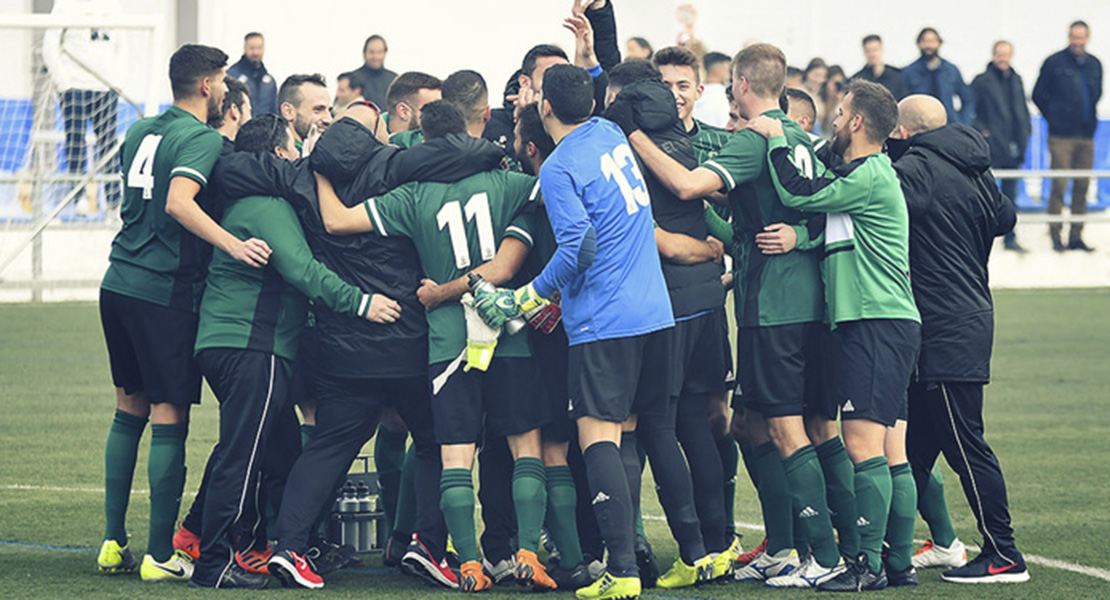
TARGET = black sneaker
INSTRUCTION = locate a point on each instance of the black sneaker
(571, 579)
(907, 578)
(1012, 245)
(394, 550)
(1058, 246)
(989, 569)
(857, 577)
(645, 560)
(327, 557)
(419, 562)
(238, 578)
(1079, 245)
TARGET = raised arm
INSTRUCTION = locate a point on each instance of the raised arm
(686, 184)
(338, 218)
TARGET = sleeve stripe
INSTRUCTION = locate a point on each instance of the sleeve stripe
(723, 172)
(375, 217)
(535, 191)
(520, 232)
(363, 305)
(189, 171)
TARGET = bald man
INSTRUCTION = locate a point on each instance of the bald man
(955, 211)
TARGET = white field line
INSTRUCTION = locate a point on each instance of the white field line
(80, 490)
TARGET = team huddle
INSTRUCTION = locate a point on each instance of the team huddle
(541, 289)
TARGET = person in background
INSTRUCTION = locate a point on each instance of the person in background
(831, 95)
(348, 89)
(939, 78)
(637, 47)
(1002, 116)
(877, 71)
(794, 77)
(814, 76)
(712, 107)
(251, 71)
(373, 75)
(1067, 92)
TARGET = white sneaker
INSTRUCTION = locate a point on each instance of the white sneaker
(809, 575)
(933, 555)
(766, 566)
(501, 571)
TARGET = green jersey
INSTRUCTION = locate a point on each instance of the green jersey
(867, 265)
(265, 309)
(456, 227)
(770, 290)
(407, 139)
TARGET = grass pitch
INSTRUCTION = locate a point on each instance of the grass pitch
(1048, 418)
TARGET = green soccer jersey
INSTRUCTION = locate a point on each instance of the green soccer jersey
(867, 266)
(265, 309)
(456, 227)
(770, 290)
(407, 139)
(153, 257)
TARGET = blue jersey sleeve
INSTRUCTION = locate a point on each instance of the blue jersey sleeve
(574, 232)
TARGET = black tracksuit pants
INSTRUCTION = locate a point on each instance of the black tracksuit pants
(948, 418)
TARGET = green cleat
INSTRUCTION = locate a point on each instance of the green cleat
(114, 559)
(682, 575)
(608, 587)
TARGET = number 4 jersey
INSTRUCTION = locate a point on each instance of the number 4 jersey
(455, 228)
(153, 257)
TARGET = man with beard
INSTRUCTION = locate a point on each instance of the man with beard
(407, 95)
(148, 305)
(304, 102)
(374, 78)
(939, 78)
(253, 73)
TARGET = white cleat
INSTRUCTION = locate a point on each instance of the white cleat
(809, 575)
(932, 555)
(766, 566)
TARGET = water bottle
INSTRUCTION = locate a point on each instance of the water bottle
(364, 524)
(479, 284)
(348, 508)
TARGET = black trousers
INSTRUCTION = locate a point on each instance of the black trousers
(252, 388)
(81, 107)
(347, 415)
(948, 418)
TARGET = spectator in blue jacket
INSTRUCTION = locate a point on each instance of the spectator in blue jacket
(939, 78)
(251, 71)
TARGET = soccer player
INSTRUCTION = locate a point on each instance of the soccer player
(615, 306)
(453, 227)
(235, 109)
(869, 299)
(407, 96)
(249, 323)
(148, 305)
(303, 101)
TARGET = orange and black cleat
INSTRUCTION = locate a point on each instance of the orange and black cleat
(187, 542)
(472, 579)
(531, 573)
(255, 561)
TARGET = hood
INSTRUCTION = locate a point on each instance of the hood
(956, 143)
(652, 104)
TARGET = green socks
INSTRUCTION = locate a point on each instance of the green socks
(529, 500)
(934, 509)
(730, 461)
(456, 500)
(120, 454)
(307, 433)
(903, 511)
(561, 521)
(807, 487)
(405, 520)
(840, 489)
(873, 491)
(389, 453)
(166, 470)
(774, 498)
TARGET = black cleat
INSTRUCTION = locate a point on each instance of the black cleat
(394, 551)
(857, 577)
(571, 579)
(907, 578)
(238, 578)
(327, 557)
(989, 569)
(645, 560)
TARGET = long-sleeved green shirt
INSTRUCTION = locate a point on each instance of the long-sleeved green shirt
(265, 309)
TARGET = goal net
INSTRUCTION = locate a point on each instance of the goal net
(76, 80)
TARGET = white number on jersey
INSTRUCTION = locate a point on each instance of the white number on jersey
(141, 173)
(612, 165)
(803, 160)
(450, 215)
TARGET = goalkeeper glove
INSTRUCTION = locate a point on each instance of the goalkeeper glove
(498, 306)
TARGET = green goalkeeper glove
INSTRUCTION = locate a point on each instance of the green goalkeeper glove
(500, 305)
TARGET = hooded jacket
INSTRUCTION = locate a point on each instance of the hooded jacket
(1001, 110)
(956, 211)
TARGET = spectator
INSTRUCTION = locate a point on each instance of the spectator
(831, 94)
(939, 78)
(1067, 91)
(1002, 116)
(794, 77)
(251, 71)
(348, 89)
(407, 96)
(712, 107)
(879, 72)
(637, 47)
(813, 80)
(373, 76)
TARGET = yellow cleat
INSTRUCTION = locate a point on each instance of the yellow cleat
(725, 563)
(682, 575)
(115, 559)
(178, 568)
(608, 587)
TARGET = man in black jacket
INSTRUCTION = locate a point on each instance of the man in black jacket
(1002, 116)
(1067, 92)
(877, 71)
(955, 211)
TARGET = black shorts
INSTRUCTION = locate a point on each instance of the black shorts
(726, 350)
(150, 349)
(700, 366)
(503, 399)
(550, 352)
(777, 368)
(821, 400)
(616, 378)
(873, 366)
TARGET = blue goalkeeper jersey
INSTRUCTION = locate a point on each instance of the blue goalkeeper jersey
(606, 265)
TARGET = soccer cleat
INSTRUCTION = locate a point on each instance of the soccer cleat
(394, 551)
(907, 578)
(115, 559)
(178, 568)
(531, 573)
(989, 569)
(809, 574)
(766, 566)
(327, 557)
(682, 575)
(645, 561)
(857, 576)
(419, 562)
(472, 579)
(608, 587)
(932, 555)
(292, 569)
(255, 561)
(725, 563)
(501, 572)
(571, 579)
(238, 578)
(752, 554)
(548, 544)
(187, 542)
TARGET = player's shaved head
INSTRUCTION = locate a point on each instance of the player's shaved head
(920, 113)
